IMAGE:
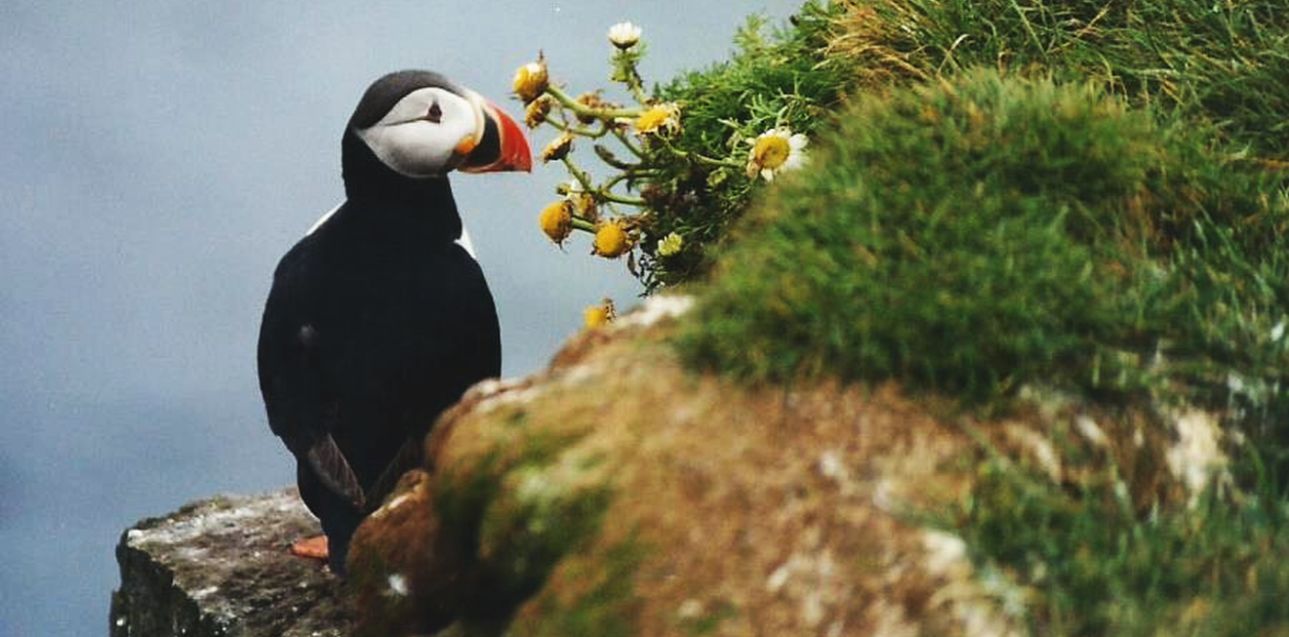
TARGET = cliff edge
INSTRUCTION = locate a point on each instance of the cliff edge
(220, 568)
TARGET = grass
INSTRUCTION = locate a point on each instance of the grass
(972, 236)
(1095, 566)
(1222, 63)
(1223, 67)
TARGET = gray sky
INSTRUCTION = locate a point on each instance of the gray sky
(158, 159)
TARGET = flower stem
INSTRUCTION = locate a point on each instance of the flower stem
(579, 174)
(576, 130)
(602, 194)
(622, 137)
(609, 158)
(698, 157)
(635, 85)
(582, 109)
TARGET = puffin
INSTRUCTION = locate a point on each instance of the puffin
(379, 318)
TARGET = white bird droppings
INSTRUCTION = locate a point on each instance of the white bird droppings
(398, 584)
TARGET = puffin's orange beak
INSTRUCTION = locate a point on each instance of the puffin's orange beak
(512, 151)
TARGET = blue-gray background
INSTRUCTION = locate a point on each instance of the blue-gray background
(156, 158)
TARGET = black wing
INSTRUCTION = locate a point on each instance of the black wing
(300, 408)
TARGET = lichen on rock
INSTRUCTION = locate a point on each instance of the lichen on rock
(220, 567)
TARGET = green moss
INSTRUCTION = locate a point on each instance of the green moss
(515, 513)
(461, 495)
(606, 608)
(529, 529)
(1099, 568)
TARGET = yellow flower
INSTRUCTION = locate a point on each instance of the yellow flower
(611, 240)
(659, 119)
(669, 245)
(596, 316)
(531, 80)
(774, 151)
(558, 148)
(624, 35)
(556, 220)
(537, 111)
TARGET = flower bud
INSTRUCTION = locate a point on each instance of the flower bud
(669, 245)
(531, 80)
(556, 221)
(596, 316)
(624, 35)
(537, 111)
(611, 240)
(558, 148)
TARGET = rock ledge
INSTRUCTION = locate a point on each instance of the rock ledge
(220, 567)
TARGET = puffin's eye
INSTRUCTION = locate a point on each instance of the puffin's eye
(435, 113)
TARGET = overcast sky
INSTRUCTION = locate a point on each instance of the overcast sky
(157, 159)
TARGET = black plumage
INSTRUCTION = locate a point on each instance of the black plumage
(376, 322)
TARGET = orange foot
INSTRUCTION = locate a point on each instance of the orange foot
(314, 548)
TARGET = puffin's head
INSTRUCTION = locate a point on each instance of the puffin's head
(419, 124)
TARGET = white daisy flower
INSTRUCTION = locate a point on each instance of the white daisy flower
(776, 150)
(624, 35)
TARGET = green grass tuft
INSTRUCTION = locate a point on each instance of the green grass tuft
(969, 237)
(1094, 566)
(1225, 64)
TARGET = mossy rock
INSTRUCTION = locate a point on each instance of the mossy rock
(618, 493)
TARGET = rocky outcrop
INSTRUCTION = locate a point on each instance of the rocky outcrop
(220, 568)
(619, 493)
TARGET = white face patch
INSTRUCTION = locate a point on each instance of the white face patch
(420, 135)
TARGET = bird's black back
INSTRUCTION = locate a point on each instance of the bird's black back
(375, 324)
